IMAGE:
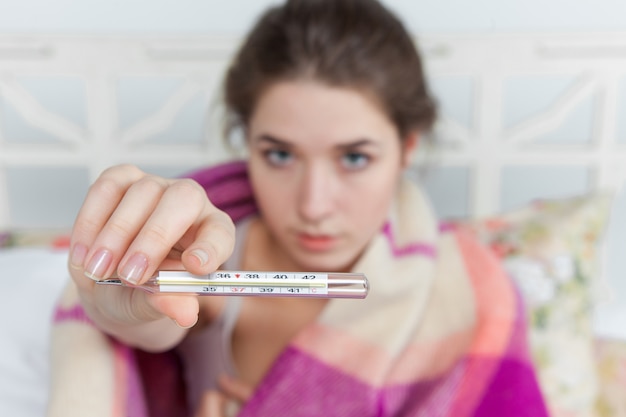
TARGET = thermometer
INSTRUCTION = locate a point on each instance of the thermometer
(255, 283)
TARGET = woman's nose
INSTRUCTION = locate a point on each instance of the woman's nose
(317, 190)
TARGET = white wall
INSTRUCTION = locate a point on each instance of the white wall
(235, 16)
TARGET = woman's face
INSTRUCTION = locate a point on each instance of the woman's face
(324, 164)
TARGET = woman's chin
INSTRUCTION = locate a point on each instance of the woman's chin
(323, 262)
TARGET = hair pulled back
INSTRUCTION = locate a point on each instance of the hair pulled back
(345, 43)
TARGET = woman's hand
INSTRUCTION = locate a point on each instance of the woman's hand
(226, 402)
(132, 224)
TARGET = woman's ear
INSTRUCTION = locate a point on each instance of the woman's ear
(409, 144)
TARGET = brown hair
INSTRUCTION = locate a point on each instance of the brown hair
(346, 43)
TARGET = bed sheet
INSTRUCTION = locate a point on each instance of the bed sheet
(32, 279)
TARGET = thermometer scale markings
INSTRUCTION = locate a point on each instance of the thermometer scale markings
(246, 282)
(253, 283)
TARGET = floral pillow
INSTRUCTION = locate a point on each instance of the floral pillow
(611, 365)
(551, 250)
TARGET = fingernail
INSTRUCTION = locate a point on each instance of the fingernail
(98, 265)
(77, 257)
(185, 327)
(134, 268)
(202, 256)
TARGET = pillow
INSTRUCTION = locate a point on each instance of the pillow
(611, 365)
(551, 250)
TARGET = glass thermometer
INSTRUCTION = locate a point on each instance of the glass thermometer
(256, 283)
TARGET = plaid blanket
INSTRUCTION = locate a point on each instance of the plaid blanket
(442, 333)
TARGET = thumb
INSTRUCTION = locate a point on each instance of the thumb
(135, 306)
(183, 309)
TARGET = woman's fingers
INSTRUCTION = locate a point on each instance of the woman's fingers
(123, 225)
(177, 210)
(183, 216)
(152, 218)
(133, 223)
(183, 309)
(132, 306)
(101, 201)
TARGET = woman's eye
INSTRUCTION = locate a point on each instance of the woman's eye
(355, 160)
(278, 157)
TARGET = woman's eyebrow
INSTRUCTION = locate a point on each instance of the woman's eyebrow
(273, 140)
(357, 144)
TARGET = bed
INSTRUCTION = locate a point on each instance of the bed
(530, 141)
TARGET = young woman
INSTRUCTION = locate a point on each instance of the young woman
(331, 98)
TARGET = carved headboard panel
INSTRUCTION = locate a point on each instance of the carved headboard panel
(523, 116)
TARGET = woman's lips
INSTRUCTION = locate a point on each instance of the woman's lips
(316, 243)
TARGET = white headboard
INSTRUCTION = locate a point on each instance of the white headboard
(523, 116)
(515, 107)
(514, 71)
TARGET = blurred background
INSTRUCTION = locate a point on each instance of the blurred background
(533, 104)
(236, 16)
(56, 135)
